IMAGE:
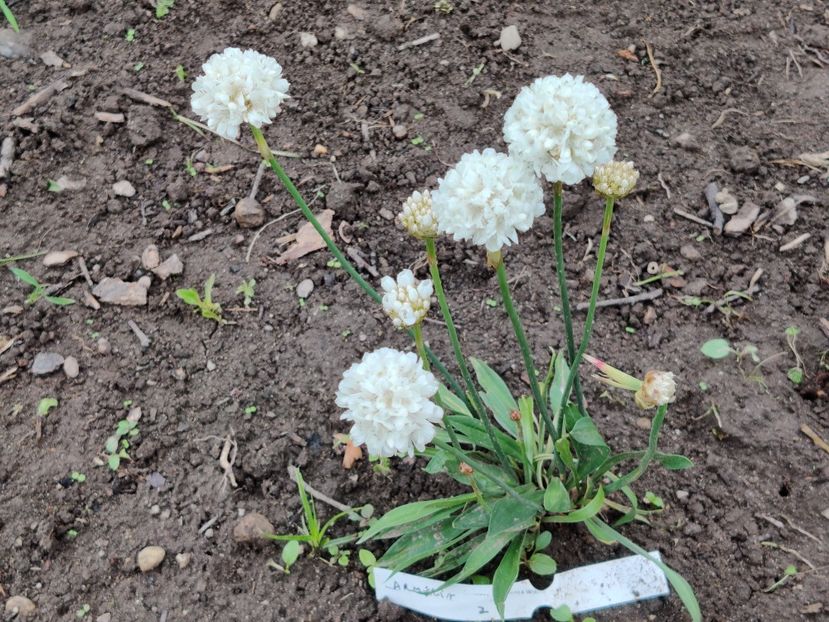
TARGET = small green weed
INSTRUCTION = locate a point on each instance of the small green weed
(9, 16)
(38, 289)
(209, 309)
(248, 290)
(181, 74)
(130, 36)
(162, 8)
(117, 445)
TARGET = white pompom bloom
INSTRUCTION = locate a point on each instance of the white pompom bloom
(562, 126)
(406, 300)
(417, 216)
(238, 87)
(615, 180)
(658, 389)
(487, 199)
(387, 397)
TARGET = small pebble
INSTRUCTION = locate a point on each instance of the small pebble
(510, 39)
(307, 40)
(150, 258)
(649, 218)
(386, 213)
(150, 557)
(58, 258)
(400, 131)
(46, 363)
(103, 346)
(251, 527)
(123, 188)
(155, 510)
(643, 422)
(803, 179)
(145, 281)
(275, 11)
(20, 606)
(211, 366)
(304, 289)
(682, 495)
(104, 617)
(249, 213)
(690, 252)
(71, 367)
(183, 560)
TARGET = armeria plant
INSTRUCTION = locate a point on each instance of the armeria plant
(529, 461)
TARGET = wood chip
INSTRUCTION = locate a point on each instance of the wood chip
(410, 44)
(817, 440)
(306, 239)
(151, 100)
(42, 96)
(110, 117)
(795, 243)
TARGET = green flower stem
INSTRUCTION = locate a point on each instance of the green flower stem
(421, 347)
(518, 328)
(558, 237)
(431, 254)
(591, 309)
(650, 452)
(266, 153)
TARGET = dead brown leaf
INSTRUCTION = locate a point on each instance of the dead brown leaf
(351, 455)
(627, 55)
(306, 240)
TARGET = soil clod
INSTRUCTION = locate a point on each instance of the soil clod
(251, 528)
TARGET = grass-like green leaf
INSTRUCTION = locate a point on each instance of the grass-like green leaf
(506, 573)
(606, 533)
(583, 513)
(21, 275)
(412, 512)
(9, 16)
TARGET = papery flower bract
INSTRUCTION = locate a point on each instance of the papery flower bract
(238, 87)
(487, 199)
(562, 126)
(615, 180)
(387, 396)
(417, 216)
(406, 300)
(658, 389)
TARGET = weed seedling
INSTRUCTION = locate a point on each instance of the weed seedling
(209, 309)
(117, 445)
(130, 36)
(188, 166)
(443, 6)
(162, 8)
(313, 533)
(181, 74)
(795, 374)
(716, 348)
(45, 405)
(248, 290)
(789, 572)
(77, 477)
(38, 289)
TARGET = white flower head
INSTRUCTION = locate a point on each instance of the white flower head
(615, 180)
(238, 87)
(417, 216)
(406, 300)
(658, 389)
(487, 199)
(562, 126)
(387, 396)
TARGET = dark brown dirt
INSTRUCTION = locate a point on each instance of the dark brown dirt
(757, 479)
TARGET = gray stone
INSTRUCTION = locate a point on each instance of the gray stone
(744, 160)
(123, 188)
(251, 527)
(690, 252)
(117, 292)
(742, 220)
(510, 39)
(341, 195)
(686, 141)
(20, 606)
(400, 131)
(304, 289)
(71, 367)
(248, 213)
(150, 258)
(695, 287)
(150, 558)
(46, 363)
(307, 40)
(171, 265)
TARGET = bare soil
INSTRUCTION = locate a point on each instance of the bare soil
(725, 80)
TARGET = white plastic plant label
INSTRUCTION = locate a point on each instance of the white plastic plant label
(589, 588)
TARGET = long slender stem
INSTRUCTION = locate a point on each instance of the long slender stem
(431, 254)
(421, 347)
(558, 237)
(591, 309)
(266, 153)
(521, 337)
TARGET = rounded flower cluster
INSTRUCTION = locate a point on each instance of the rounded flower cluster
(562, 126)
(238, 87)
(387, 397)
(417, 216)
(658, 389)
(615, 180)
(487, 199)
(406, 301)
